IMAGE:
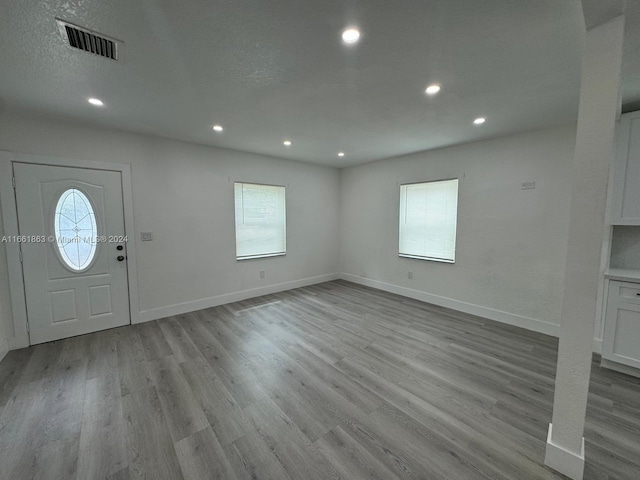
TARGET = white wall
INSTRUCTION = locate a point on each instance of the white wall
(183, 194)
(511, 242)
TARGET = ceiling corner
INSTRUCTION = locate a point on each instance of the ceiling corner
(597, 12)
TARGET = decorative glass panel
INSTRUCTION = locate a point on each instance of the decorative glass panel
(75, 229)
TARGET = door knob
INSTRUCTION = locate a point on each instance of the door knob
(120, 258)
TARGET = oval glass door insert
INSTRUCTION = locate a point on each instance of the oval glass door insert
(75, 229)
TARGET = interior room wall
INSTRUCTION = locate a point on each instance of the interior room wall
(183, 194)
(511, 242)
(625, 247)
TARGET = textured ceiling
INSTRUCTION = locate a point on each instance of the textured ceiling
(274, 70)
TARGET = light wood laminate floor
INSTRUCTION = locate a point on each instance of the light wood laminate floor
(325, 382)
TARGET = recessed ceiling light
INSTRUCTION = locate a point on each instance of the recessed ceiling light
(351, 35)
(287, 143)
(96, 102)
(218, 128)
(432, 89)
(479, 121)
(341, 154)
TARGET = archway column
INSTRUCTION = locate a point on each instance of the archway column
(594, 153)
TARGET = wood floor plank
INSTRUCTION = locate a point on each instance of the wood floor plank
(253, 459)
(334, 379)
(21, 424)
(239, 380)
(180, 343)
(180, 406)
(468, 388)
(75, 348)
(153, 341)
(41, 362)
(103, 447)
(220, 408)
(350, 458)
(296, 394)
(414, 439)
(617, 467)
(451, 423)
(123, 474)
(132, 362)
(64, 406)
(102, 354)
(151, 451)
(58, 459)
(298, 456)
(11, 369)
(201, 457)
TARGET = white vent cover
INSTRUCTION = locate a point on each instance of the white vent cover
(89, 41)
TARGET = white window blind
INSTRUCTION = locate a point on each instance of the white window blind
(428, 217)
(260, 221)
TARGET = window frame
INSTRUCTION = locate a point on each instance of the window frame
(455, 243)
(235, 223)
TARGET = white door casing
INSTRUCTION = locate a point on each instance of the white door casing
(62, 301)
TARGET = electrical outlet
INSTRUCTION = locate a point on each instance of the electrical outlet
(410, 275)
(262, 274)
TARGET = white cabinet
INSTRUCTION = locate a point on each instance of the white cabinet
(622, 324)
(626, 176)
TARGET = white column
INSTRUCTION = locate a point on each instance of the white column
(594, 152)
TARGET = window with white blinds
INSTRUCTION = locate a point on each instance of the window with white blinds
(260, 221)
(428, 217)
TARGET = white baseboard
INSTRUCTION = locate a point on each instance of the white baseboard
(4, 348)
(597, 345)
(528, 323)
(564, 461)
(180, 308)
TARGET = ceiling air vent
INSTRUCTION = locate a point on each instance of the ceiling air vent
(89, 41)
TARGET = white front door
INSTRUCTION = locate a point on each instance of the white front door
(74, 250)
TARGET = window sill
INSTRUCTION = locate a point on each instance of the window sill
(256, 257)
(429, 259)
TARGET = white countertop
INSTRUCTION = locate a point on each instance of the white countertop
(623, 275)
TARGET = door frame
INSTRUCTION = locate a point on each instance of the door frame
(20, 337)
